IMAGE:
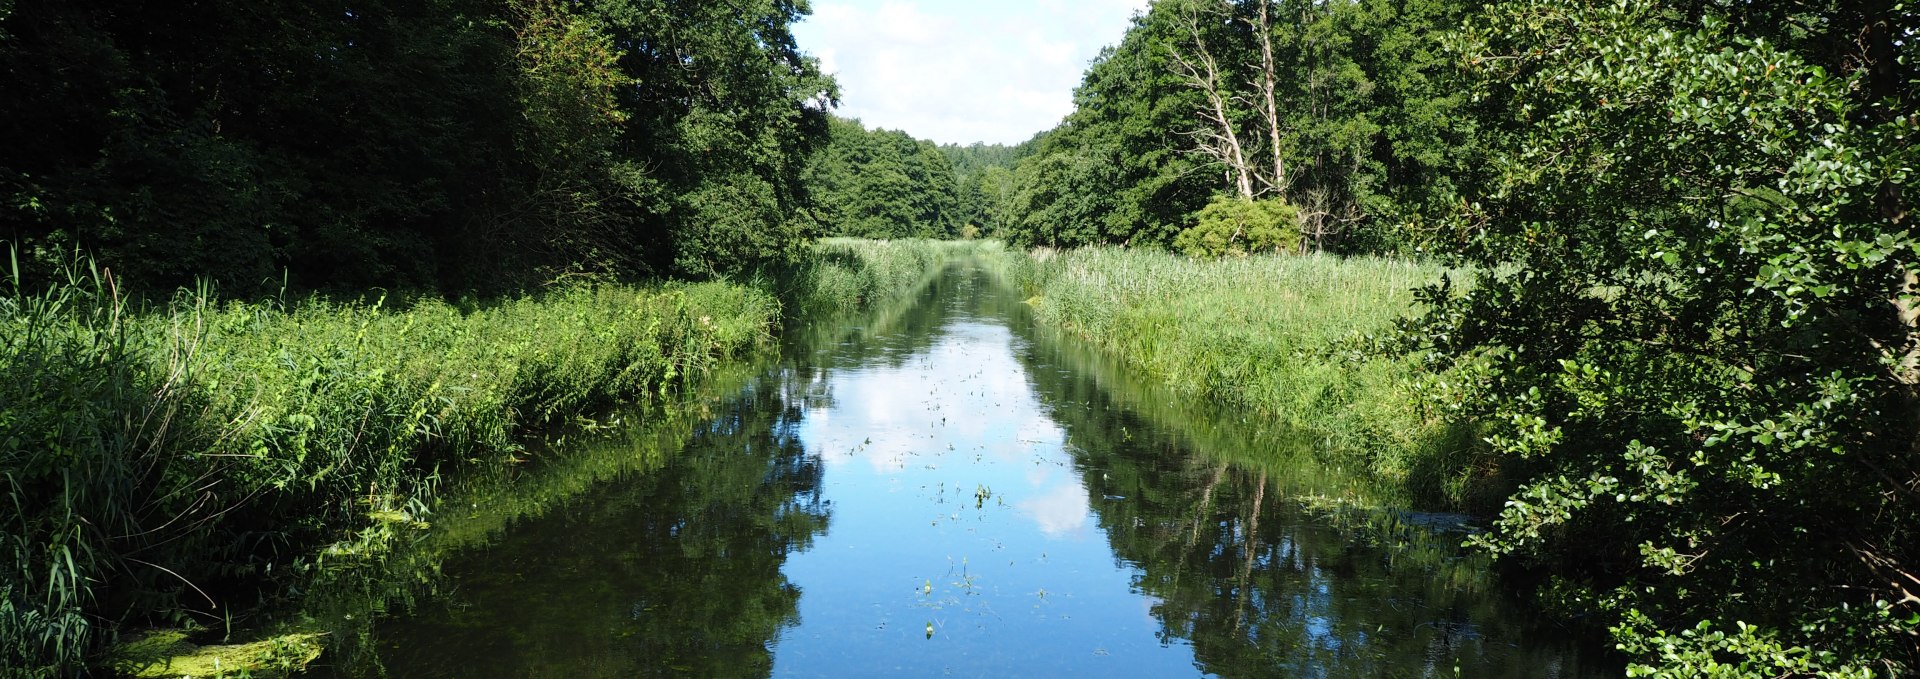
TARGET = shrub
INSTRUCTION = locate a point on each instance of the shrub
(1239, 227)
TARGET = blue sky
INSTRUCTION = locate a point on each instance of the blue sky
(961, 71)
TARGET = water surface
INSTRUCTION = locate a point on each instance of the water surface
(947, 490)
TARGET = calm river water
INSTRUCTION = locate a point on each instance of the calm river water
(948, 490)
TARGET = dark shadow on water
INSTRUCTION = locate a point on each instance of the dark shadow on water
(670, 572)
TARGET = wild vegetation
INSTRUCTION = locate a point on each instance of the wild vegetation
(986, 183)
(174, 465)
(1339, 109)
(163, 466)
(884, 184)
(447, 145)
(1669, 282)
(1683, 315)
(1263, 513)
(1293, 339)
(847, 274)
(1702, 365)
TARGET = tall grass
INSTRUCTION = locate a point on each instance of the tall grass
(166, 466)
(847, 274)
(1291, 338)
(161, 467)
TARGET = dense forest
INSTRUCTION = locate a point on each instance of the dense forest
(885, 184)
(450, 144)
(1344, 111)
(1682, 323)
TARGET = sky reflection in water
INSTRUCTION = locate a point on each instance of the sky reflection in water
(946, 491)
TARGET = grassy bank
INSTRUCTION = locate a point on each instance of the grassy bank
(850, 274)
(1288, 338)
(163, 467)
(177, 465)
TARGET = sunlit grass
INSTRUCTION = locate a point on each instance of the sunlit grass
(1290, 338)
(158, 465)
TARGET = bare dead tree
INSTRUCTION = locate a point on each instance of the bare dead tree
(1218, 137)
(1256, 161)
(1269, 106)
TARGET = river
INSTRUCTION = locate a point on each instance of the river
(945, 489)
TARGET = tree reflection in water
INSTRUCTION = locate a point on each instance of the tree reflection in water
(671, 572)
(675, 567)
(1209, 510)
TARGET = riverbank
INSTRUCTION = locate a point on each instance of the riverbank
(180, 466)
(1299, 340)
(954, 466)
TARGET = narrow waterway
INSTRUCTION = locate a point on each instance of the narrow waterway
(947, 490)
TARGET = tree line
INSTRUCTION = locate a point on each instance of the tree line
(449, 146)
(446, 144)
(1343, 111)
(887, 184)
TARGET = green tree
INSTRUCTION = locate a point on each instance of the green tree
(728, 112)
(1343, 109)
(1062, 199)
(1117, 169)
(985, 188)
(455, 144)
(885, 184)
(1691, 336)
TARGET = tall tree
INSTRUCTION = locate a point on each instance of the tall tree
(1341, 109)
(728, 111)
(1117, 170)
(447, 143)
(885, 184)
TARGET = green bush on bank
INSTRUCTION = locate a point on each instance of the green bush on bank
(160, 467)
(1287, 337)
(1237, 227)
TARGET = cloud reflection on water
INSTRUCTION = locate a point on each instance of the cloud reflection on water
(965, 397)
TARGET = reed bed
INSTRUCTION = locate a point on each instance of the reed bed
(1297, 339)
(169, 466)
(848, 274)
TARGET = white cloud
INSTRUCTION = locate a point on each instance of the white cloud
(1061, 512)
(996, 71)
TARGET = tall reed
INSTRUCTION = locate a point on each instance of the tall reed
(160, 467)
(1291, 338)
(844, 274)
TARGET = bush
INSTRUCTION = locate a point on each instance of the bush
(1239, 227)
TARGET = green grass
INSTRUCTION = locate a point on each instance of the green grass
(163, 467)
(160, 467)
(1291, 338)
(168, 466)
(849, 274)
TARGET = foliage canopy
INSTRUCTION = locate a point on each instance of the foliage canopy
(1691, 335)
(454, 144)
